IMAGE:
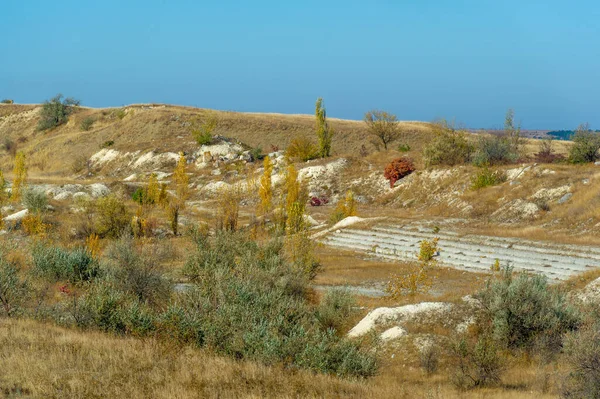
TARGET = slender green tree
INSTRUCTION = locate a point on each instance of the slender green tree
(324, 131)
(512, 132)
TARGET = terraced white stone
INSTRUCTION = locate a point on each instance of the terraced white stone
(470, 252)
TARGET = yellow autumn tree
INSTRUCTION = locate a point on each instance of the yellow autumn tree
(153, 190)
(295, 201)
(19, 177)
(181, 180)
(300, 246)
(181, 186)
(344, 208)
(418, 279)
(265, 190)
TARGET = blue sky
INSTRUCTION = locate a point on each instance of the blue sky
(467, 60)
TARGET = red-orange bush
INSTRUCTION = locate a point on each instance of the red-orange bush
(397, 169)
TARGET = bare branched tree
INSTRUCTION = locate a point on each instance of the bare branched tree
(383, 126)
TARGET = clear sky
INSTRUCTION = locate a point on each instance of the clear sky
(467, 60)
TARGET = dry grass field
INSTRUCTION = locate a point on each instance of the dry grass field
(44, 361)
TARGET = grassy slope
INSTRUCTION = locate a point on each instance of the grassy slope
(164, 128)
(43, 361)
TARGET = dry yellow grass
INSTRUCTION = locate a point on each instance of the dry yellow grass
(42, 361)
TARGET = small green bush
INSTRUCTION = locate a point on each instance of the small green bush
(476, 362)
(137, 273)
(119, 113)
(56, 111)
(35, 200)
(524, 311)
(203, 130)
(495, 150)
(13, 290)
(302, 149)
(257, 154)
(181, 325)
(55, 263)
(7, 101)
(87, 123)
(112, 217)
(335, 309)
(585, 145)
(101, 307)
(403, 148)
(486, 178)
(448, 147)
(583, 358)
(107, 144)
(265, 315)
(140, 196)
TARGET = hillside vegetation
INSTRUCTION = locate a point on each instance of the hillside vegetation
(165, 128)
(155, 250)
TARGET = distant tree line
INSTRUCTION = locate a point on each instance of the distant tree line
(566, 134)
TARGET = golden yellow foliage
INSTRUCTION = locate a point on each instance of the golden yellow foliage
(181, 181)
(33, 225)
(344, 208)
(228, 207)
(428, 250)
(19, 176)
(92, 243)
(295, 202)
(153, 190)
(496, 266)
(417, 280)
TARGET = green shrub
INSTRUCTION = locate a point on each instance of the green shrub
(55, 263)
(56, 111)
(524, 311)
(301, 148)
(476, 362)
(257, 154)
(119, 113)
(335, 309)
(585, 145)
(107, 144)
(35, 200)
(140, 196)
(137, 273)
(486, 178)
(203, 130)
(583, 359)
(448, 147)
(181, 325)
(494, 150)
(101, 307)
(13, 290)
(112, 217)
(7, 101)
(87, 123)
(253, 304)
(403, 147)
